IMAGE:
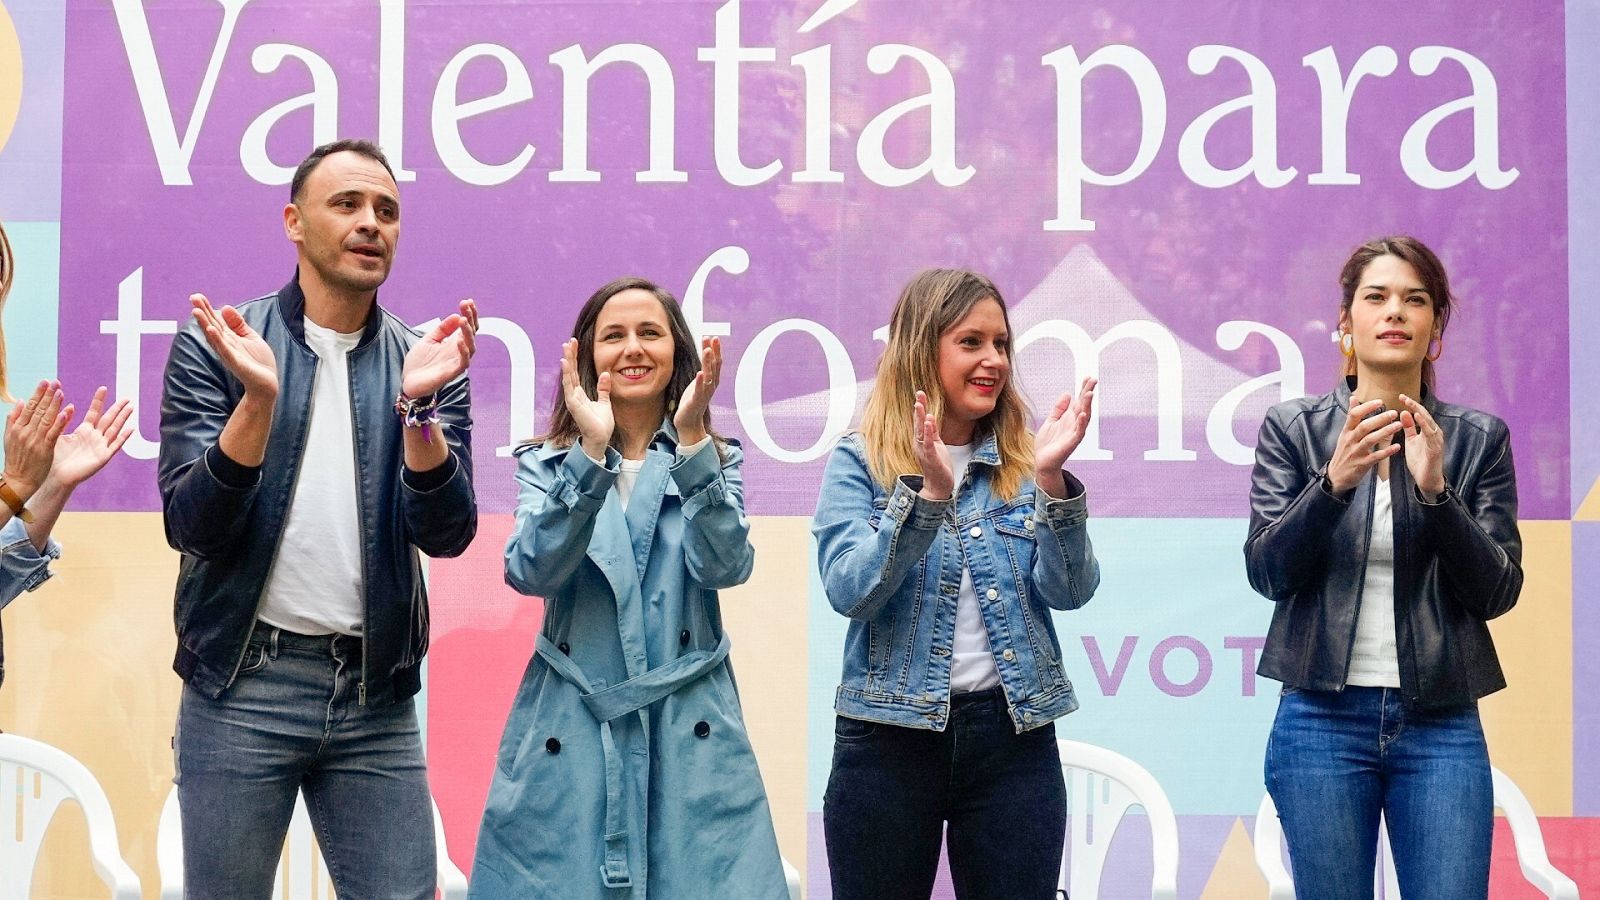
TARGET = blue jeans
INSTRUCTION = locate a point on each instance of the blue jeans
(289, 723)
(892, 789)
(1336, 759)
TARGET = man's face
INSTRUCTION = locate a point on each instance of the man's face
(346, 222)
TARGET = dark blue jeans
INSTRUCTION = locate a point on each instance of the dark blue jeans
(892, 790)
(290, 723)
(1336, 759)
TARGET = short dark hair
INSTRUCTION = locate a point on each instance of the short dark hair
(354, 145)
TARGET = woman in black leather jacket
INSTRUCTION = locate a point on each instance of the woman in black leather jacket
(1384, 527)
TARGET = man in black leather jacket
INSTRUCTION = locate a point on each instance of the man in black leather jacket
(299, 490)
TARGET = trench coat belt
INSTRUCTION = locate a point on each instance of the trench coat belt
(614, 702)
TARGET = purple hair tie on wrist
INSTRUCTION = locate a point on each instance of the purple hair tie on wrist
(415, 411)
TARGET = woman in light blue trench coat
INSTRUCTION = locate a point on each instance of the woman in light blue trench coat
(625, 770)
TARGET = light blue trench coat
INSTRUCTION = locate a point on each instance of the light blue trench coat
(625, 770)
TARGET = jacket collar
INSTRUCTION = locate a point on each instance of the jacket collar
(292, 306)
(1347, 386)
(988, 451)
(665, 440)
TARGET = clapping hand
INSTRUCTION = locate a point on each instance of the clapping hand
(33, 428)
(86, 449)
(593, 415)
(442, 354)
(690, 419)
(938, 478)
(239, 346)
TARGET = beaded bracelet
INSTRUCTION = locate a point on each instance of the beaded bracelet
(418, 411)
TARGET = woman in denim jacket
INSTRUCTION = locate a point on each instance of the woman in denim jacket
(44, 464)
(625, 770)
(947, 533)
(1384, 527)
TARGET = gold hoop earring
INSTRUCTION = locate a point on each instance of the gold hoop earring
(1347, 343)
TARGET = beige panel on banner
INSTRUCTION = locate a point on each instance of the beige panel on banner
(1529, 724)
(766, 618)
(89, 670)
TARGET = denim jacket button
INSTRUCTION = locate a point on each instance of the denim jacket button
(683, 638)
(702, 729)
(1009, 655)
(975, 531)
(552, 746)
(565, 648)
(1028, 524)
(991, 593)
(905, 501)
(1027, 717)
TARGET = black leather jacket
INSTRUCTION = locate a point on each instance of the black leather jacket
(1457, 562)
(227, 519)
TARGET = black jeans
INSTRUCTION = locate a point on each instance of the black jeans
(892, 790)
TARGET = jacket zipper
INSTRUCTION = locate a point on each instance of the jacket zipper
(1366, 549)
(361, 546)
(294, 480)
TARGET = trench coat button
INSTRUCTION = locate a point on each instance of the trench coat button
(564, 647)
(702, 729)
(552, 746)
(1010, 654)
(975, 531)
(991, 593)
(683, 638)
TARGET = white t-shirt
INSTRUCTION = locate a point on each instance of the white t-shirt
(629, 469)
(971, 659)
(1373, 659)
(315, 586)
(627, 478)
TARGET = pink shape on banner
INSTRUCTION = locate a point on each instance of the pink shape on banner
(483, 637)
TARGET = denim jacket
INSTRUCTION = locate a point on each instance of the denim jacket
(22, 568)
(892, 563)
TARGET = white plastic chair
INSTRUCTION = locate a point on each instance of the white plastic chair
(1525, 834)
(34, 779)
(301, 864)
(792, 877)
(1101, 787)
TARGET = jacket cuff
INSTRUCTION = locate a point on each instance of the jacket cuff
(699, 478)
(432, 479)
(25, 560)
(229, 473)
(1058, 513)
(909, 507)
(581, 484)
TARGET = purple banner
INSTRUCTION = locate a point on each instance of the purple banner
(1165, 193)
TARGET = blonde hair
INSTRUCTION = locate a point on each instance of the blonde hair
(7, 271)
(935, 301)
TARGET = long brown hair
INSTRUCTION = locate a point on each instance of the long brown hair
(934, 302)
(7, 272)
(563, 429)
(1428, 268)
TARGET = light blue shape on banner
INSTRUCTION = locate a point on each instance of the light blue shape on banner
(1164, 656)
(32, 309)
(1162, 659)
